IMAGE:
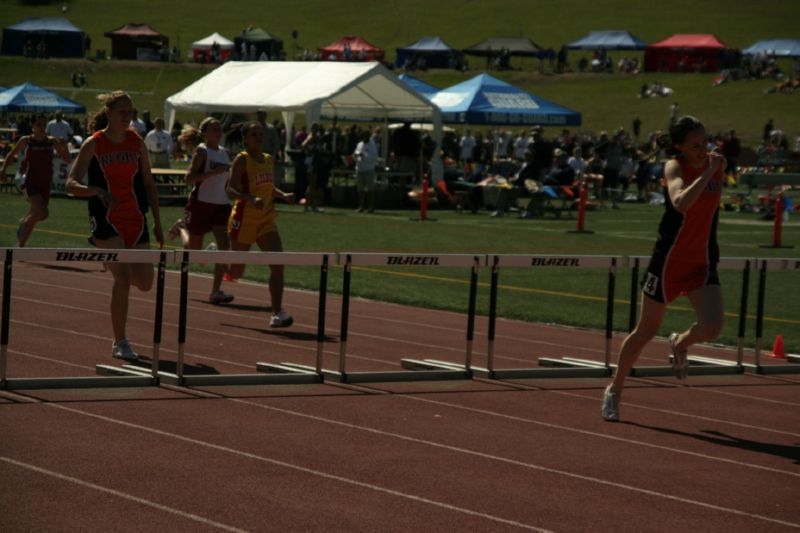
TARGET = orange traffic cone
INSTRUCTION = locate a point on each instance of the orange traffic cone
(777, 348)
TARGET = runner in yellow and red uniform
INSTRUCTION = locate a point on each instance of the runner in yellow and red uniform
(252, 186)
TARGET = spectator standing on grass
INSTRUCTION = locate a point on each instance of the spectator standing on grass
(684, 259)
(59, 128)
(36, 169)
(120, 190)
(521, 145)
(138, 124)
(467, 144)
(366, 157)
(253, 219)
(208, 208)
(159, 145)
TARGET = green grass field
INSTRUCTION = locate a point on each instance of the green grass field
(535, 295)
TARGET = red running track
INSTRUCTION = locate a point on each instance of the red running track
(717, 453)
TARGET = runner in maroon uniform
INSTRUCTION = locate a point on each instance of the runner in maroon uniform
(684, 259)
(120, 191)
(36, 169)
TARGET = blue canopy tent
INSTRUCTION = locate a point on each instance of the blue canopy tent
(59, 36)
(435, 52)
(775, 47)
(608, 40)
(487, 100)
(420, 86)
(30, 98)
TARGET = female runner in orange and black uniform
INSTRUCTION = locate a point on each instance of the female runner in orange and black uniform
(121, 190)
(684, 260)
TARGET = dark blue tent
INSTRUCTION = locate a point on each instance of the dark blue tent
(487, 100)
(30, 98)
(425, 89)
(435, 52)
(608, 40)
(58, 35)
(775, 47)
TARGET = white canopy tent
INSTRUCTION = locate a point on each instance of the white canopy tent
(209, 41)
(357, 91)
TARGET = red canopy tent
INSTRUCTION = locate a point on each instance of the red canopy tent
(685, 52)
(356, 45)
(127, 40)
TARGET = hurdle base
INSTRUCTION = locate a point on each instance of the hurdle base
(787, 368)
(587, 231)
(124, 370)
(428, 371)
(89, 382)
(201, 380)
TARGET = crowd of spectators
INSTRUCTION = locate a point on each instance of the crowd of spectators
(618, 166)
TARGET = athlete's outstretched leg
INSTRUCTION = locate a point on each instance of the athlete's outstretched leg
(707, 303)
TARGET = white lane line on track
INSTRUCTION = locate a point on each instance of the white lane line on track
(123, 495)
(303, 469)
(389, 363)
(352, 333)
(599, 435)
(482, 455)
(596, 399)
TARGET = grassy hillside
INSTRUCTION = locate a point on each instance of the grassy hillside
(606, 101)
(393, 23)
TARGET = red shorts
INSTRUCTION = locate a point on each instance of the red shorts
(665, 280)
(200, 217)
(32, 187)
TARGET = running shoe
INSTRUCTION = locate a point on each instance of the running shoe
(175, 229)
(122, 350)
(228, 277)
(211, 247)
(610, 409)
(219, 297)
(680, 360)
(281, 320)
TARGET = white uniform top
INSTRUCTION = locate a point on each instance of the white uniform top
(213, 190)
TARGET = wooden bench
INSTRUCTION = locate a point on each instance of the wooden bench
(171, 184)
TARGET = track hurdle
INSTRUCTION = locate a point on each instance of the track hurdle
(763, 265)
(550, 367)
(416, 370)
(266, 373)
(698, 365)
(115, 377)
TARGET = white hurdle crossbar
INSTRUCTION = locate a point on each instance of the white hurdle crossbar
(110, 376)
(266, 373)
(561, 367)
(416, 370)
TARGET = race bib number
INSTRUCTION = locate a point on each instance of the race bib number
(650, 284)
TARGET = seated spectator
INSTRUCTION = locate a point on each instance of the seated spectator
(561, 174)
